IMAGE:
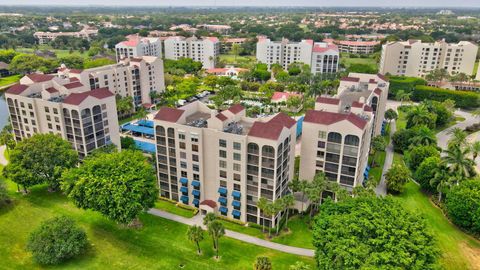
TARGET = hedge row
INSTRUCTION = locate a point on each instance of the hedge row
(463, 99)
(407, 84)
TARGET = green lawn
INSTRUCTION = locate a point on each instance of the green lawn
(239, 61)
(160, 244)
(459, 251)
(59, 53)
(173, 208)
(376, 171)
(9, 80)
(347, 61)
(401, 122)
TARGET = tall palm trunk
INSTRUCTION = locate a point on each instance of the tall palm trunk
(198, 248)
(216, 249)
(286, 221)
(214, 242)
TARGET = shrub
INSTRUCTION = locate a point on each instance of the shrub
(401, 139)
(426, 171)
(418, 154)
(57, 240)
(463, 99)
(463, 205)
(396, 178)
(403, 83)
(4, 198)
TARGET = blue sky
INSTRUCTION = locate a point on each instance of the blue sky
(379, 3)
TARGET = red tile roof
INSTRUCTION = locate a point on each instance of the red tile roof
(51, 90)
(372, 81)
(221, 116)
(357, 104)
(73, 79)
(378, 91)
(78, 98)
(35, 77)
(17, 89)
(357, 43)
(328, 118)
(236, 108)
(72, 85)
(350, 79)
(273, 128)
(367, 108)
(381, 76)
(169, 114)
(320, 49)
(210, 203)
(328, 100)
(281, 95)
(76, 71)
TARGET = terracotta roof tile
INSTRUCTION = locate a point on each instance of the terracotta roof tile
(78, 98)
(221, 116)
(378, 91)
(17, 89)
(210, 203)
(72, 85)
(328, 118)
(51, 90)
(357, 104)
(236, 108)
(273, 128)
(35, 77)
(381, 76)
(328, 100)
(350, 79)
(169, 114)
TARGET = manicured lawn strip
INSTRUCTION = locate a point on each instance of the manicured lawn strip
(160, 244)
(244, 229)
(9, 80)
(376, 171)
(300, 234)
(453, 243)
(241, 61)
(347, 61)
(58, 53)
(172, 208)
(401, 122)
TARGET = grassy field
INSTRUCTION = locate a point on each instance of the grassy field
(172, 208)
(347, 61)
(239, 61)
(9, 80)
(376, 171)
(459, 250)
(59, 53)
(160, 244)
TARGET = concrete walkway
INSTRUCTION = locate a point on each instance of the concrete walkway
(198, 220)
(3, 160)
(381, 189)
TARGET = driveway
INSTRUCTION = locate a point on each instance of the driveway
(198, 220)
(381, 189)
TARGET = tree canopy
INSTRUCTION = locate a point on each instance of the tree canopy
(371, 233)
(119, 185)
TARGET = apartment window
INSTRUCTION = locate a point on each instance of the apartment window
(223, 183)
(183, 164)
(321, 144)
(55, 110)
(237, 146)
(222, 164)
(222, 153)
(223, 174)
(196, 167)
(236, 167)
(236, 177)
(194, 148)
(181, 136)
(322, 134)
(182, 145)
(237, 156)
(222, 143)
(194, 137)
(47, 110)
(183, 155)
(183, 174)
(195, 157)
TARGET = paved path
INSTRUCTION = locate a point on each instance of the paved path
(3, 160)
(444, 135)
(381, 189)
(198, 220)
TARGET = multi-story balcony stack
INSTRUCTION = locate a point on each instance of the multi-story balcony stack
(136, 46)
(205, 50)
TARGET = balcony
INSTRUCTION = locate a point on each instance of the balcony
(222, 190)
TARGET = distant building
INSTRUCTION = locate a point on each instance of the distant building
(87, 118)
(134, 77)
(415, 58)
(226, 71)
(283, 96)
(223, 162)
(337, 133)
(355, 47)
(227, 44)
(222, 29)
(445, 12)
(184, 27)
(45, 37)
(321, 57)
(205, 50)
(463, 86)
(136, 46)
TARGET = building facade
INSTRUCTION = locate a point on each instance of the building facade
(204, 50)
(321, 57)
(136, 46)
(45, 37)
(48, 104)
(356, 47)
(134, 77)
(337, 133)
(224, 160)
(415, 58)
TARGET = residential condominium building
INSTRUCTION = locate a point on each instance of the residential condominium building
(134, 77)
(321, 57)
(205, 50)
(337, 133)
(415, 58)
(45, 37)
(355, 47)
(137, 46)
(66, 107)
(223, 162)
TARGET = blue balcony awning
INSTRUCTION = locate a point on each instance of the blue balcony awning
(222, 200)
(183, 180)
(196, 192)
(184, 189)
(236, 204)
(196, 202)
(222, 190)
(223, 209)
(195, 183)
(184, 199)
(236, 213)
(367, 168)
(236, 194)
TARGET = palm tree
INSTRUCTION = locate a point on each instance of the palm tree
(195, 234)
(262, 263)
(458, 138)
(209, 217)
(424, 136)
(277, 207)
(314, 191)
(262, 205)
(403, 96)
(458, 162)
(216, 230)
(303, 188)
(475, 149)
(378, 144)
(269, 211)
(419, 116)
(287, 202)
(441, 180)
